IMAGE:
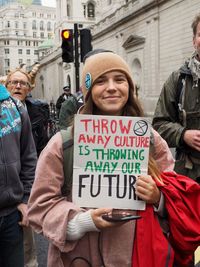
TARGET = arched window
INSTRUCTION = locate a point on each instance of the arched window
(68, 10)
(34, 26)
(137, 74)
(42, 25)
(48, 26)
(91, 10)
(68, 81)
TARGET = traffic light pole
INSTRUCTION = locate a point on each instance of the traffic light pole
(76, 62)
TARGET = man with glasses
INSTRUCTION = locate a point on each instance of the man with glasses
(17, 170)
(20, 84)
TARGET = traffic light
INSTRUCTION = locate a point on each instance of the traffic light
(67, 45)
(85, 42)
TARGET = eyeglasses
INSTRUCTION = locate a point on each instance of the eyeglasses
(22, 83)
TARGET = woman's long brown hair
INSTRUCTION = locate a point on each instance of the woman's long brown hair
(153, 169)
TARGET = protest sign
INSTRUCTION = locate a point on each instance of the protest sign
(109, 153)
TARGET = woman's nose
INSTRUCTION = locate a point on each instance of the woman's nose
(111, 85)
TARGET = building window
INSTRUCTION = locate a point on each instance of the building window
(91, 10)
(24, 25)
(48, 26)
(6, 42)
(16, 24)
(28, 52)
(84, 11)
(17, 33)
(20, 61)
(34, 35)
(20, 51)
(28, 43)
(41, 35)
(68, 10)
(7, 51)
(8, 24)
(36, 52)
(34, 14)
(42, 25)
(7, 62)
(34, 26)
(49, 35)
(28, 62)
(19, 43)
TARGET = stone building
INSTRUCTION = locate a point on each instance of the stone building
(23, 27)
(54, 74)
(154, 37)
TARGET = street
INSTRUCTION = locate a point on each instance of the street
(42, 248)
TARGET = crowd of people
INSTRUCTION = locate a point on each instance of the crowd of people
(33, 195)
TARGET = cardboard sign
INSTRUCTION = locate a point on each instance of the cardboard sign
(109, 153)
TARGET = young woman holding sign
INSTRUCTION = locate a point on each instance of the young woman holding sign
(81, 237)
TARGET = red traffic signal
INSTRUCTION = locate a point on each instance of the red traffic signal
(67, 45)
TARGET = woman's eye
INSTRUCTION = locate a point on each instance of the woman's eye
(99, 81)
(121, 79)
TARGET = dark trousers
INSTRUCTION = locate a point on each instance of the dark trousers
(11, 241)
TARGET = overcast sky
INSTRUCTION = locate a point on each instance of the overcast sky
(49, 3)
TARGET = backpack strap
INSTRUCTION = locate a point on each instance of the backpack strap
(68, 150)
(179, 89)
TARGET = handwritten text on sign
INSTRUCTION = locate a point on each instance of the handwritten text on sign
(109, 153)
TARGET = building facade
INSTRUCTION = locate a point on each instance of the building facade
(22, 29)
(154, 37)
(54, 74)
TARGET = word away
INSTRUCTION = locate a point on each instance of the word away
(118, 141)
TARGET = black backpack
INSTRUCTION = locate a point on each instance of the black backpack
(39, 114)
(38, 111)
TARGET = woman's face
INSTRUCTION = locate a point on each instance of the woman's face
(110, 93)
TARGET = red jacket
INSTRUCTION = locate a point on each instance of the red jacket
(182, 201)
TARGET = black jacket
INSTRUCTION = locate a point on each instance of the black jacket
(39, 115)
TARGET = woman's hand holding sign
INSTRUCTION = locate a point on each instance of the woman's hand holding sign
(147, 190)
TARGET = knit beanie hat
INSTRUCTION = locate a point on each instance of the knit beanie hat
(99, 64)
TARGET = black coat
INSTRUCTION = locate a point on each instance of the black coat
(39, 115)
